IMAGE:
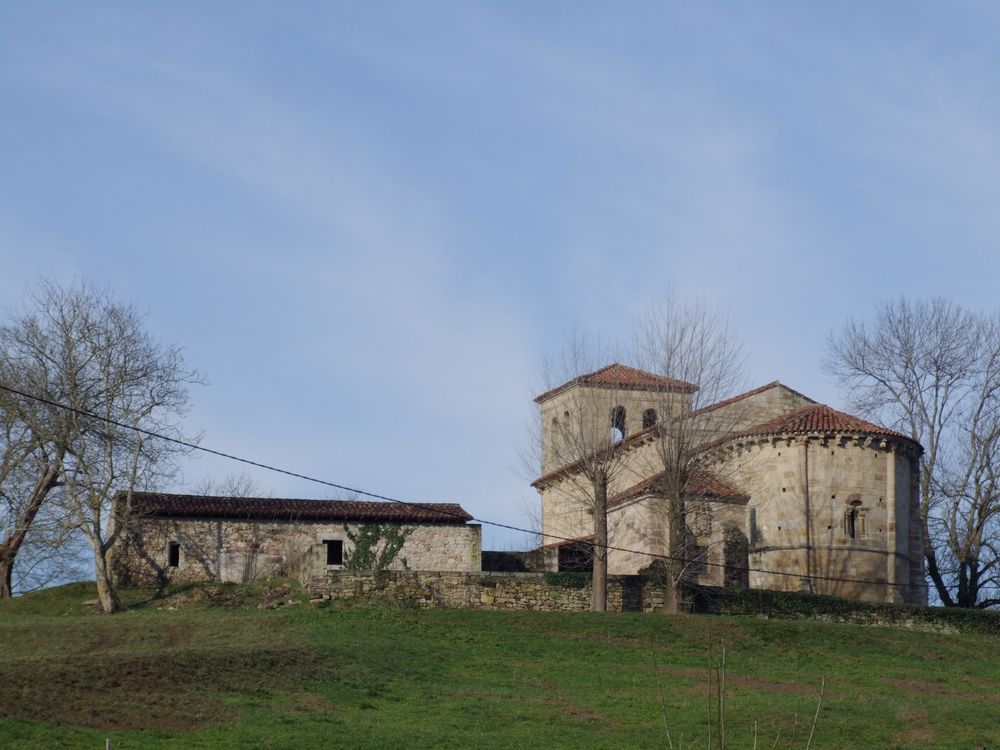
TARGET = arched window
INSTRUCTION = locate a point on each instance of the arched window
(648, 418)
(617, 423)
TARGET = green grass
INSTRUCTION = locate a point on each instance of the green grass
(225, 667)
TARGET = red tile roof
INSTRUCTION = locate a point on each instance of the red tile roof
(748, 394)
(622, 376)
(701, 484)
(630, 441)
(818, 418)
(160, 505)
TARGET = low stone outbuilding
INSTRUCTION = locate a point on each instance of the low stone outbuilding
(206, 538)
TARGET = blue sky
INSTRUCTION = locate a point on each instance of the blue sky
(367, 223)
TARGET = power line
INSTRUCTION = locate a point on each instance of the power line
(484, 522)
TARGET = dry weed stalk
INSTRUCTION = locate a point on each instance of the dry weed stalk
(717, 685)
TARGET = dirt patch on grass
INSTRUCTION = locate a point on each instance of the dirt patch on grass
(179, 635)
(581, 715)
(921, 687)
(918, 732)
(753, 683)
(177, 690)
(310, 704)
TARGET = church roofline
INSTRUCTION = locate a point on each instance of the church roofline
(628, 443)
(748, 394)
(644, 435)
(816, 419)
(702, 484)
(622, 376)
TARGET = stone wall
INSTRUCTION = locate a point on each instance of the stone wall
(549, 592)
(804, 488)
(246, 550)
(764, 404)
(581, 416)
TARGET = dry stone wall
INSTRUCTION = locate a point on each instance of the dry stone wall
(524, 591)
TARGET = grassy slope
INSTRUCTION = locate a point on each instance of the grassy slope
(211, 676)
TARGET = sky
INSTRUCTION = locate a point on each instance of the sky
(368, 223)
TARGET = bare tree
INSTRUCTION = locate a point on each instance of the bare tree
(690, 342)
(932, 369)
(28, 475)
(37, 547)
(78, 347)
(582, 437)
(30, 464)
(231, 485)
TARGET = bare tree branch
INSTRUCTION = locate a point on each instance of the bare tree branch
(932, 369)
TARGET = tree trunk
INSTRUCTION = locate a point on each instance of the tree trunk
(599, 576)
(6, 573)
(10, 547)
(677, 553)
(106, 593)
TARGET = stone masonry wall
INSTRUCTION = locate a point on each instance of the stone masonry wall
(246, 550)
(830, 476)
(527, 591)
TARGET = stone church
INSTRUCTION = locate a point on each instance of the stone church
(781, 493)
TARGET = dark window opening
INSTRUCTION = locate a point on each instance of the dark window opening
(617, 423)
(576, 557)
(334, 551)
(648, 418)
(736, 560)
(173, 555)
(756, 537)
(855, 527)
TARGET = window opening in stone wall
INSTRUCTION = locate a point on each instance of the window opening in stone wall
(173, 555)
(735, 557)
(648, 418)
(617, 423)
(855, 526)
(755, 536)
(334, 551)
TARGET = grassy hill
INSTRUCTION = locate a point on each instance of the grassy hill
(236, 667)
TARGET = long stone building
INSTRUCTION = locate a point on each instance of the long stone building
(780, 492)
(197, 537)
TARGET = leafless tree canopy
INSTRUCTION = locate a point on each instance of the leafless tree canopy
(931, 369)
(688, 343)
(77, 346)
(694, 343)
(586, 441)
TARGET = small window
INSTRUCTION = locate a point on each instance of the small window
(755, 535)
(854, 521)
(334, 551)
(617, 423)
(173, 555)
(648, 418)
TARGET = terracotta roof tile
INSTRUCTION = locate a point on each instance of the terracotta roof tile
(262, 508)
(622, 376)
(701, 484)
(818, 418)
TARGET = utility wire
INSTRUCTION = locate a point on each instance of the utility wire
(457, 516)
